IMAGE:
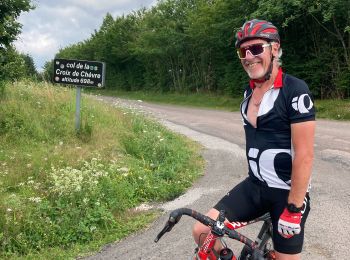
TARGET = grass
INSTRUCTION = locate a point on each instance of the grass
(64, 192)
(327, 109)
(333, 109)
(200, 100)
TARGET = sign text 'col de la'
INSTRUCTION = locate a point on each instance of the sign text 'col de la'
(79, 72)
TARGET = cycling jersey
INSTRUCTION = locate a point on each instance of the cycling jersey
(268, 146)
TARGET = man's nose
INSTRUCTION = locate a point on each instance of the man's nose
(249, 55)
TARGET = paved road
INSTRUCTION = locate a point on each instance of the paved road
(221, 134)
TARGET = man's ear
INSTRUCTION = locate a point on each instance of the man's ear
(275, 47)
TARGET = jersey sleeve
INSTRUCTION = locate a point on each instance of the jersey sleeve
(300, 103)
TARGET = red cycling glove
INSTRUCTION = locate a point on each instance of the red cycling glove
(289, 224)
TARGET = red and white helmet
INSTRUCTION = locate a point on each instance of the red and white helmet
(257, 29)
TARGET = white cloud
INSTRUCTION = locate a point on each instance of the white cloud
(57, 24)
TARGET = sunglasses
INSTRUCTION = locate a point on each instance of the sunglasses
(255, 50)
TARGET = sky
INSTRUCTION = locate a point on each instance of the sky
(55, 24)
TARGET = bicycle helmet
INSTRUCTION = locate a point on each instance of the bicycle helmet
(257, 29)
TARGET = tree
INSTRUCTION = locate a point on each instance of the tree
(9, 12)
(30, 70)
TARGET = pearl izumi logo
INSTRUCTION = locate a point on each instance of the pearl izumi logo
(303, 103)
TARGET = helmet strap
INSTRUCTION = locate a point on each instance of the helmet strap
(269, 71)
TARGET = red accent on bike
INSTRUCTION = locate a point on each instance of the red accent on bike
(235, 225)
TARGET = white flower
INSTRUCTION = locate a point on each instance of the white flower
(9, 210)
(123, 169)
(35, 199)
(93, 228)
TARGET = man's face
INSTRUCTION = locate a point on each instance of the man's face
(257, 66)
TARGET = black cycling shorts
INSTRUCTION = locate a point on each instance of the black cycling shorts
(251, 199)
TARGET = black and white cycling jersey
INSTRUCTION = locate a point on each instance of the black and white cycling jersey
(268, 146)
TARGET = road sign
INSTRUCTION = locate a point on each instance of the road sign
(79, 72)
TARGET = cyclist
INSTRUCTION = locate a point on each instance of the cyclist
(279, 122)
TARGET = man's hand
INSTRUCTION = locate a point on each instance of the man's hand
(289, 224)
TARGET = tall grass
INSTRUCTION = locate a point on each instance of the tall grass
(329, 109)
(61, 189)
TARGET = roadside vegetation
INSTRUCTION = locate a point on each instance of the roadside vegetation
(63, 193)
(333, 109)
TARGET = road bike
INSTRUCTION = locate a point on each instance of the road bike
(260, 249)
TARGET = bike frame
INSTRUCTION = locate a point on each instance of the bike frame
(206, 249)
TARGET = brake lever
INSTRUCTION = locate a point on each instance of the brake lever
(167, 228)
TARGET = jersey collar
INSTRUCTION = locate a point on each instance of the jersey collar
(278, 80)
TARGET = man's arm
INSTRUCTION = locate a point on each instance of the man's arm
(303, 143)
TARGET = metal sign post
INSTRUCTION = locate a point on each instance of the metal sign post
(79, 73)
(77, 109)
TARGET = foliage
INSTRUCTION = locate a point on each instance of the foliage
(59, 189)
(9, 12)
(186, 46)
(12, 64)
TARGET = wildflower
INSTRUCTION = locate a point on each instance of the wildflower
(9, 210)
(93, 228)
(123, 169)
(35, 199)
(29, 165)
(60, 143)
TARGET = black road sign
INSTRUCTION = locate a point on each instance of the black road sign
(79, 72)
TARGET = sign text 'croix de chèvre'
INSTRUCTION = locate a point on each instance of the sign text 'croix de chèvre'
(79, 72)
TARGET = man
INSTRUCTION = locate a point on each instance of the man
(279, 123)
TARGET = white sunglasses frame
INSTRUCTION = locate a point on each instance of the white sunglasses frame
(263, 45)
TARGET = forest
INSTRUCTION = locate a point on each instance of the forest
(187, 46)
